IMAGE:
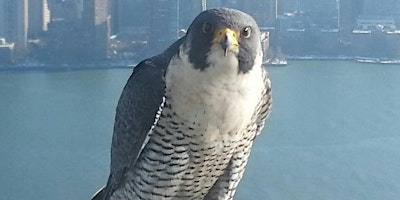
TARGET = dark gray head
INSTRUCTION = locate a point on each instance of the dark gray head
(232, 30)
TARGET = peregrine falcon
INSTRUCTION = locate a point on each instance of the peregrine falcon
(187, 118)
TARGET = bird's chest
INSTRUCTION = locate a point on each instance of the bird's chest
(196, 136)
(213, 111)
(182, 161)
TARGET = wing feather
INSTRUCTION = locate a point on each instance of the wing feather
(140, 102)
(266, 102)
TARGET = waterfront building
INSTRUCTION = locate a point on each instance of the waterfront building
(70, 10)
(96, 20)
(376, 14)
(6, 52)
(164, 24)
(14, 24)
(381, 8)
(347, 18)
(288, 6)
(321, 14)
(39, 17)
(153, 26)
(264, 11)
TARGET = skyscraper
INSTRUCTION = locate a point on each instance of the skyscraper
(14, 23)
(163, 24)
(349, 11)
(263, 11)
(2, 18)
(322, 14)
(39, 17)
(288, 6)
(154, 23)
(96, 18)
(382, 8)
(136, 23)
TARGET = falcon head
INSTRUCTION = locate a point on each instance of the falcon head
(223, 35)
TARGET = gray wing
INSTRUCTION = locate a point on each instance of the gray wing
(266, 103)
(135, 115)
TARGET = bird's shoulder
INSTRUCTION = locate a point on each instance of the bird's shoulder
(136, 113)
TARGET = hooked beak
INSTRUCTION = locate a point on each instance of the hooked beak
(228, 39)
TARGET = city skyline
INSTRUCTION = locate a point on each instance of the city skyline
(100, 29)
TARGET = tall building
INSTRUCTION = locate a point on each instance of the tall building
(150, 26)
(263, 11)
(14, 24)
(149, 13)
(114, 10)
(350, 10)
(288, 6)
(211, 4)
(64, 10)
(346, 20)
(168, 18)
(322, 14)
(135, 23)
(236, 4)
(96, 19)
(188, 10)
(39, 17)
(381, 9)
(79, 7)
(163, 24)
(3, 18)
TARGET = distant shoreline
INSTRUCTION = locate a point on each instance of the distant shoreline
(132, 64)
(321, 58)
(67, 67)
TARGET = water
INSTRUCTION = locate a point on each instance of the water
(333, 133)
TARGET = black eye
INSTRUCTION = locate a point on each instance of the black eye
(207, 28)
(246, 32)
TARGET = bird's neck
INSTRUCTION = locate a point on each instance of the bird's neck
(222, 100)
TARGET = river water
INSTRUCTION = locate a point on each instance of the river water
(334, 133)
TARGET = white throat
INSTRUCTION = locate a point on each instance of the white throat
(219, 98)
